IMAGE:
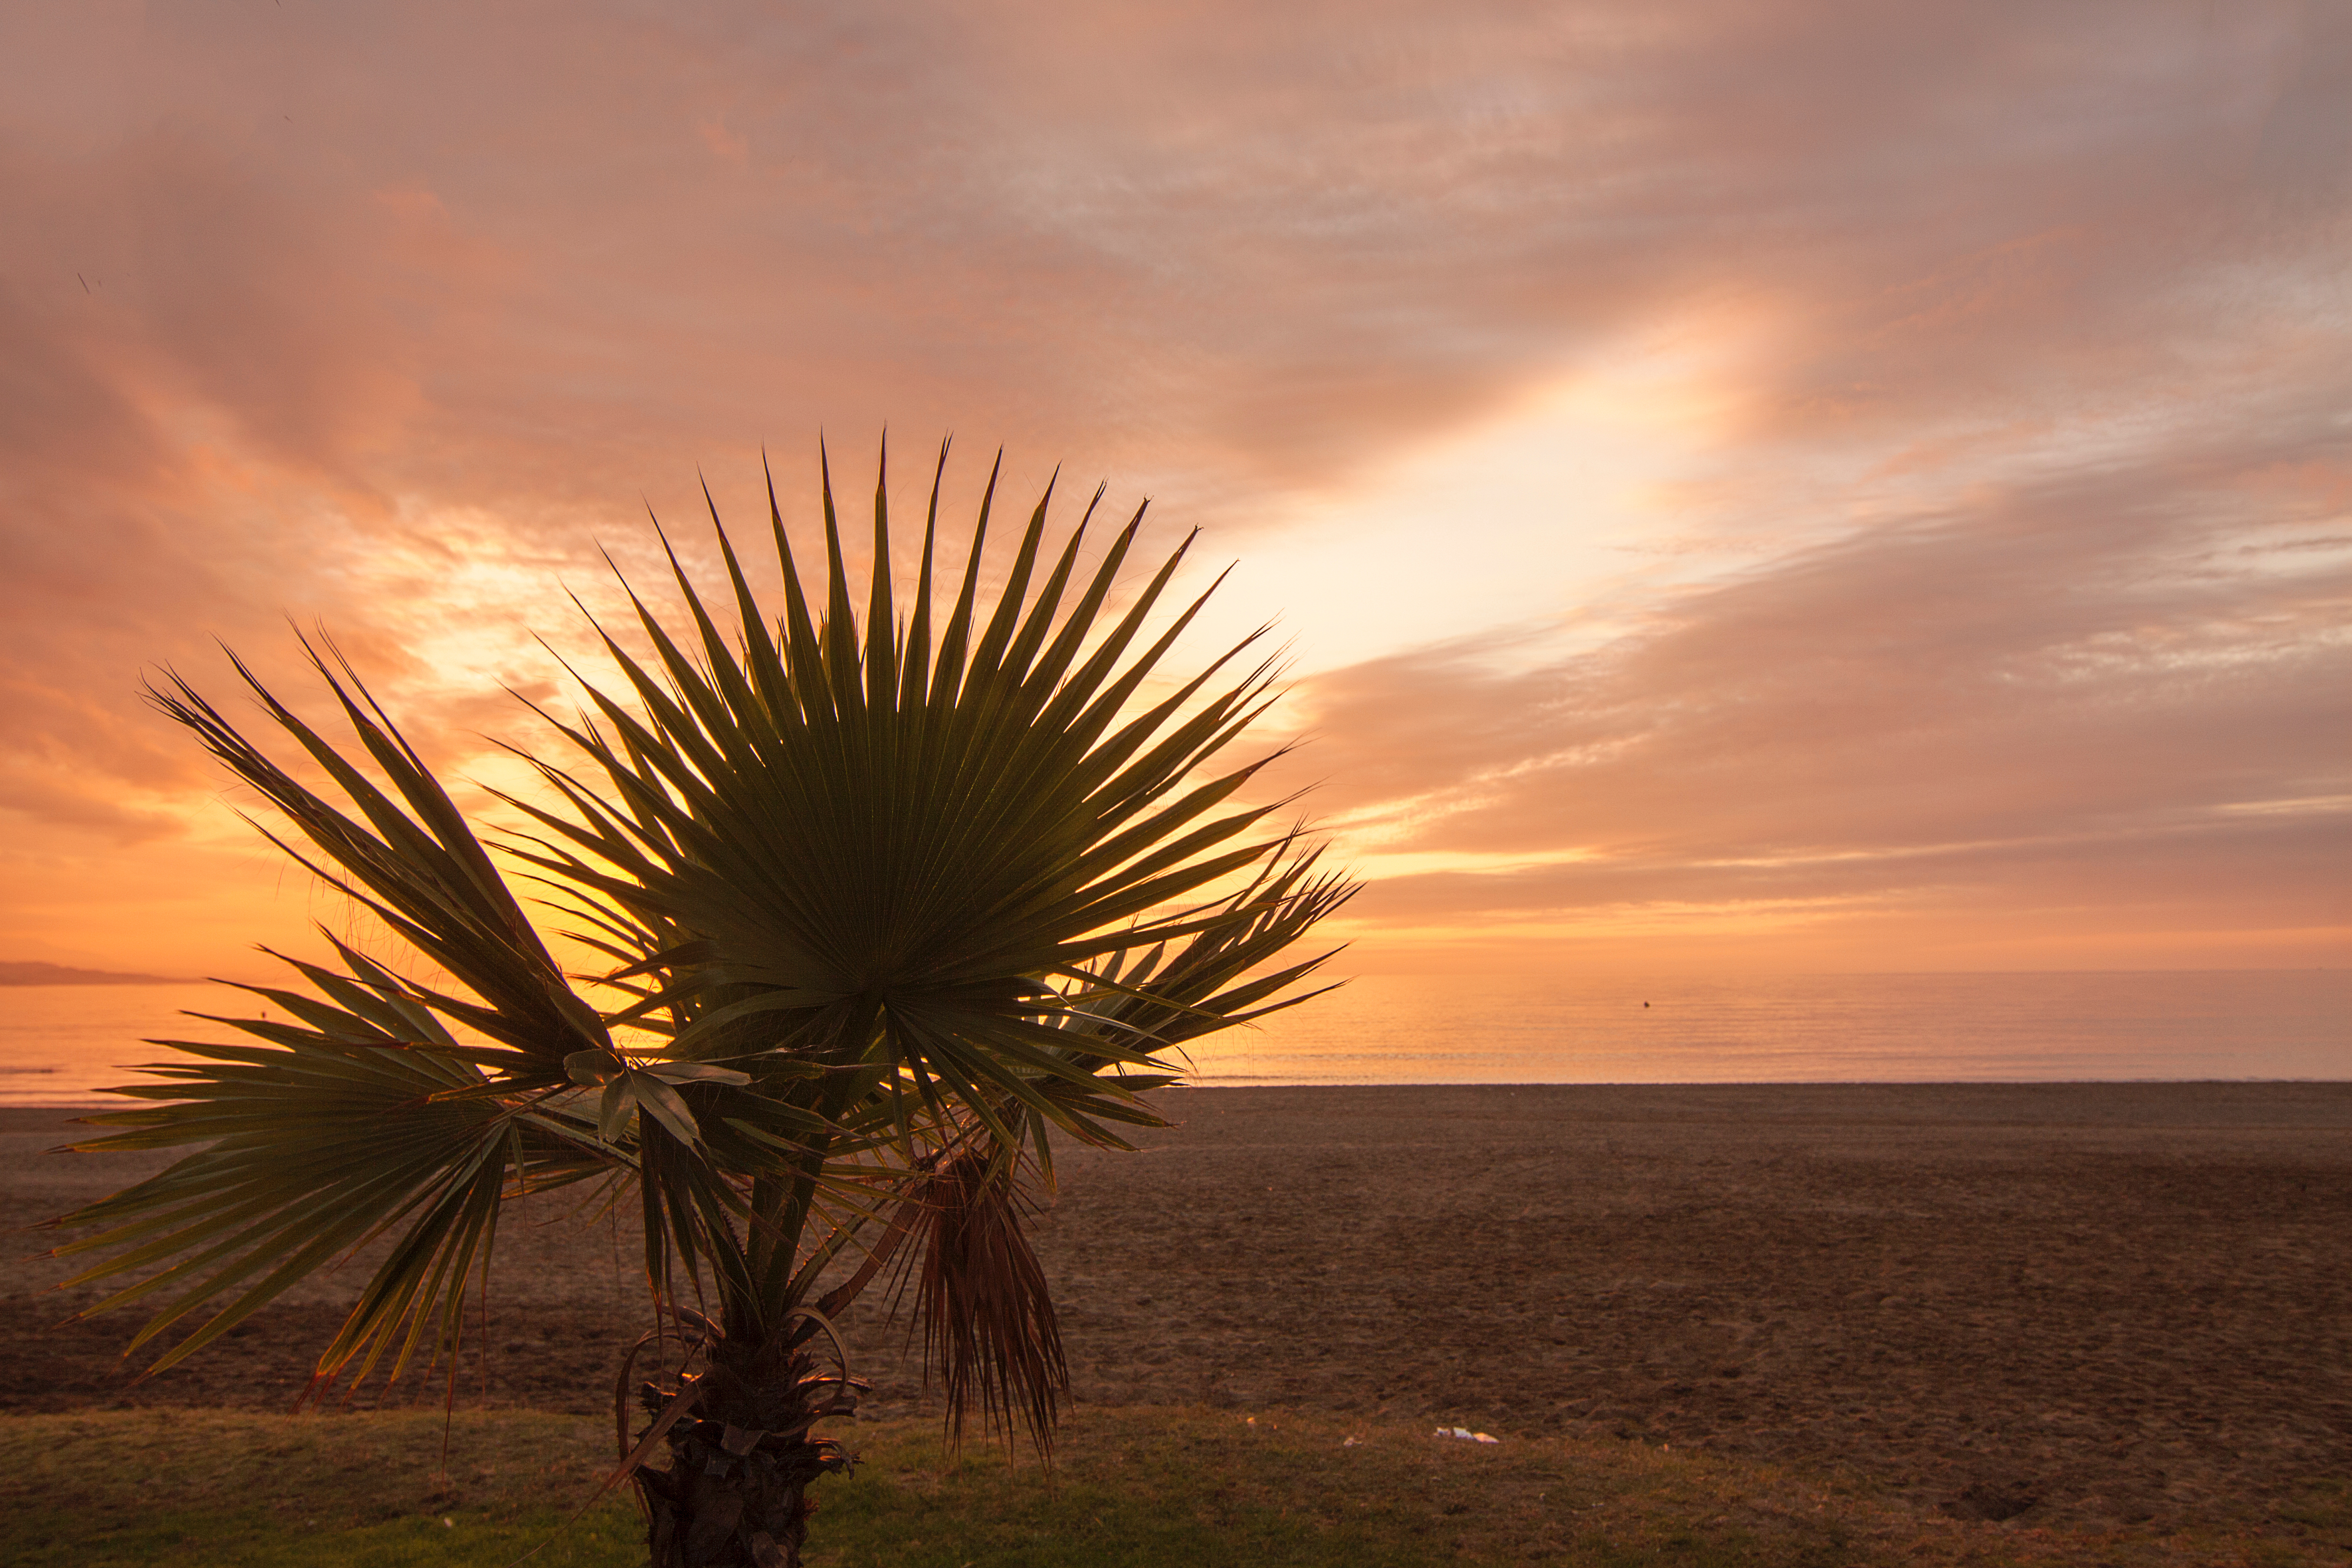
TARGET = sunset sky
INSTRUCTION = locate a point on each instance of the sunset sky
(1746, 486)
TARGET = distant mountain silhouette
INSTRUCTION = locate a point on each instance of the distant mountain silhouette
(23, 973)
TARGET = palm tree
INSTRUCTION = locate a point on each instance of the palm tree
(880, 910)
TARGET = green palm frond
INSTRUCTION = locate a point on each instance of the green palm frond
(944, 821)
(332, 1133)
(421, 870)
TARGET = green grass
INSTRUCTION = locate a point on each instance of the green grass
(1144, 1487)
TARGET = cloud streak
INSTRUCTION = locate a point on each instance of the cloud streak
(2066, 702)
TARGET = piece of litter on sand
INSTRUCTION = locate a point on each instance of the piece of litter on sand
(1349, 1444)
(1464, 1434)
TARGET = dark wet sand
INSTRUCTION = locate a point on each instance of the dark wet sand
(2071, 1303)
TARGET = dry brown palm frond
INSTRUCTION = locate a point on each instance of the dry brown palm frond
(988, 1321)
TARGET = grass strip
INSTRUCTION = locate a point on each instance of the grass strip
(1145, 1485)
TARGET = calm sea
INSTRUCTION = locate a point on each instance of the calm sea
(58, 1043)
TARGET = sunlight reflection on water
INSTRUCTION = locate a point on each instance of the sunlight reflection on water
(1805, 1029)
(59, 1043)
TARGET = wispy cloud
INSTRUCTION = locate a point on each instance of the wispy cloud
(2061, 703)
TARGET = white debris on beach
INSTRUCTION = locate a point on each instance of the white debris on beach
(1464, 1434)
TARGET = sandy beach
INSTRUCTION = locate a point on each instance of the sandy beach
(2063, 1304)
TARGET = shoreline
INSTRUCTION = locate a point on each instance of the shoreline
(67, 1110)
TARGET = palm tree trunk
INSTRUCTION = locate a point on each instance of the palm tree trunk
(736, 1493)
